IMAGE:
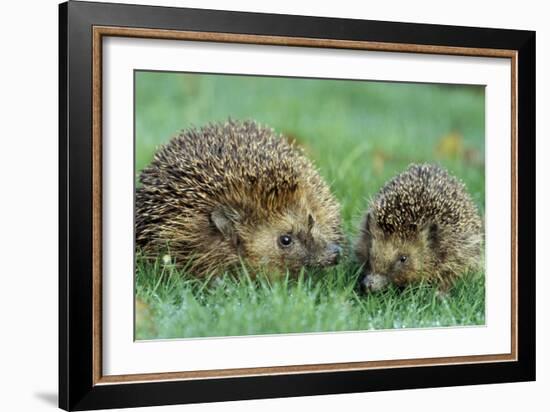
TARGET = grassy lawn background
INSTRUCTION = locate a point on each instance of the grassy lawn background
(359, 134)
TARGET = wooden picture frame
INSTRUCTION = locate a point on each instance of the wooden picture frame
(82, 28)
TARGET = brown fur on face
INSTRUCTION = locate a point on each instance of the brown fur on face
(422, 225)
(227, 194)
(311, 244)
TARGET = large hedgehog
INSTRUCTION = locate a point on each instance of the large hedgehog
(236, 193)
(422, 225)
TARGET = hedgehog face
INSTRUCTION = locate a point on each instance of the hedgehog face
(292, 242)
(391, 259)
(288, 241)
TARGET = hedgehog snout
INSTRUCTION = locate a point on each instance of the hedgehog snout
(373, 282)
(334, 252)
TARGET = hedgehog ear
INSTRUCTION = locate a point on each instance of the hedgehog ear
(430, 232)
(310, 222)
(224, 220)
(368, 225)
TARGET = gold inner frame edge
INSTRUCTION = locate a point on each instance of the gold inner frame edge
(99, 32)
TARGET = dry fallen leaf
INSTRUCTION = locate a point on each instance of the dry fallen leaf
(297, 142)
(378, 162)
(143, 316)
(450, 146)
(473, 157)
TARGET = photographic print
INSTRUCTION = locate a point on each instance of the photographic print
(241, 193)
(280, 205)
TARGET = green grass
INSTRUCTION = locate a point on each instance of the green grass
(179, 305)
(359, 134)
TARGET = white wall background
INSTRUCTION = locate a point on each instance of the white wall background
(28, 203)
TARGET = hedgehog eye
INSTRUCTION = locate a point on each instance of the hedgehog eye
(285, 240)
(403, 258)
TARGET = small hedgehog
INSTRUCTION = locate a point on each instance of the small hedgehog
(422, 225)
(233, 193)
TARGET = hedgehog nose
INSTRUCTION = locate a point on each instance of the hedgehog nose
(372, 282)
(365, 284)
(335, 251)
